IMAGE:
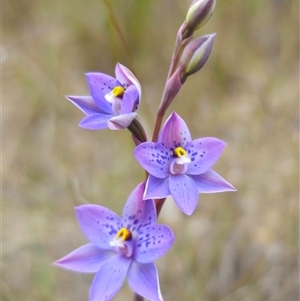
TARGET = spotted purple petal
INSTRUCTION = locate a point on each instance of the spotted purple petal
(86, 104)
(130, 100)
(154, 158)
(109, 278)
(121, 121)
(174, 133)
(98, 223)
(99, 85)
(137, 212)
(184, 192)
(156, 188)
(126, 78)
(153, 241)
(211, 182)
(95, 122)
(204, 153)
(87, 258)
(143, 279)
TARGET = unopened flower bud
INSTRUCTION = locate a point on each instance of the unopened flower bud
(199, 13)
(195, 55)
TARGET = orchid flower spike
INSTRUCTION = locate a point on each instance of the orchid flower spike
(113, 101)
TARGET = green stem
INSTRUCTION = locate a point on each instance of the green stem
(114, 21)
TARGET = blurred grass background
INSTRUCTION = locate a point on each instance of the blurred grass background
(239, 246)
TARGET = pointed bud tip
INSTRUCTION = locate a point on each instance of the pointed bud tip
(195, 55)
(199, 13)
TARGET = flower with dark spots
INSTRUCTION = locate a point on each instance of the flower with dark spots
(121, 246)
(180, 166)
(113, 101)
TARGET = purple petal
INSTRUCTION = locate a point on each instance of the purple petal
(98, 223)
(130, 100)
(85, 103)
(143, 279)
(204, 153)
(153, 241)
(154, 158)
(174, 133)
(99, 85)
(121, 122)
(87, 259)
(184, 192)
(210, 182)
(126, 78)
(109, 278)
(156, 188)
(137, 212)
(95, 122)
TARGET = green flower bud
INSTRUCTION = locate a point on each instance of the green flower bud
(195, 55)
(199, 13)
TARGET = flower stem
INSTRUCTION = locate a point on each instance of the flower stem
(167, 97)
(165, 102)
(137, 130)
(159, 118)
(138, 298)
(158, 205)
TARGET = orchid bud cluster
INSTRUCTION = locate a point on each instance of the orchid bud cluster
(176, 165)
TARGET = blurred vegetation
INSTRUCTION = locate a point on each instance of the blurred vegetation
(239, 246)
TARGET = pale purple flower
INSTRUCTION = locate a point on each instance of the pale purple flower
(113, 101)
(121, 246)
(180, 166)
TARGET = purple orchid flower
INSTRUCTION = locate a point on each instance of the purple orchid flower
(113, 101)
(121, 246)
(180, 166)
